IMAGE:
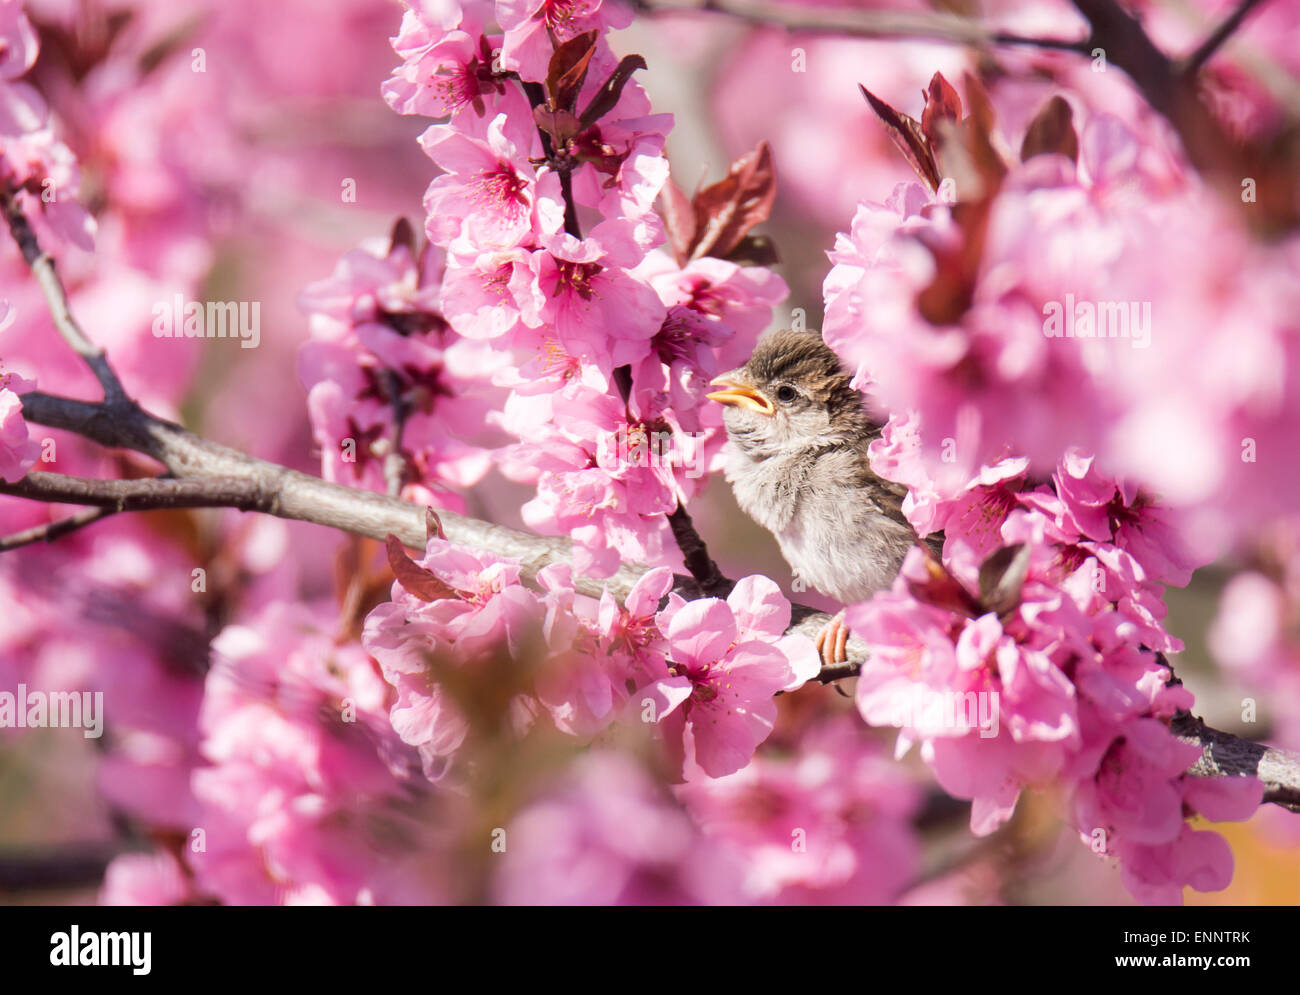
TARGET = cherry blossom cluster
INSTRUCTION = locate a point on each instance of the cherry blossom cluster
(978, 312)
(702, 673)
(390, 389)
(299, 791)
(18, 451)
(1047, 667)
(31, 157)
(1077, 304)
(825, 818)
(604, 343)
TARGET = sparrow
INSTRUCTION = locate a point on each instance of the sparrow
(796, 459)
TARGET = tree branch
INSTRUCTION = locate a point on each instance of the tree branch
(1172, 91)
(285, 493)
(54, 530)
(1225, 755)
(536, 95)
(1168, 86)
(1192, 64)
(150, 494)
(928, 25)
(696, 555)
(42, 267)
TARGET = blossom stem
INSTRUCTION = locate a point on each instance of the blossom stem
(536, 95)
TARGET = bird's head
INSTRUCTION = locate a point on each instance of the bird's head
(792, 394)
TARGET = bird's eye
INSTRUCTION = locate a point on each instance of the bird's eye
(785, 394)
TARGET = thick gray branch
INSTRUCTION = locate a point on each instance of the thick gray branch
(285, 493)
(1225, 755)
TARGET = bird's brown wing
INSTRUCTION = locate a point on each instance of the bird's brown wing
(889, 496)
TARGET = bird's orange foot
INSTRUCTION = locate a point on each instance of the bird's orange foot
(832, 642)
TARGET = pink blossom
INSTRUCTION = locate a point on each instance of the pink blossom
(598, 311)
(442, 74)
(598, 478)
(609, 835)
(18, 452)
(489, 294)
(529, 25)
(828, 824)
(599, 649)
(145, 879)
(378, 343)
(18, 41)
(1092, 506)
(490, 189)
(307, 792)
(411, 638)
(727, 659)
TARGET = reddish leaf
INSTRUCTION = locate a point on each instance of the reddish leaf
(432, 525)
(607, 96)
(418, 580)
(559, 125)
(950, 293)
(679, 218)
(965, 152)
(1051, 131)
(977, 100)
(727, 210)
(941, 104)
(568, 68)
(906, 133)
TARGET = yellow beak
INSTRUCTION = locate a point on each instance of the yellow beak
(739, 395)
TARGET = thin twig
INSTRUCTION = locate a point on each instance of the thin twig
(149, 494)
(696, 555)
(929, 25)
(536, 95)
(1192, 63)
(54, 530)
(56, 297)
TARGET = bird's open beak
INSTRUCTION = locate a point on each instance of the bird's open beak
(739, 395)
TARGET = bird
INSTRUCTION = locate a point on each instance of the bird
(796, 460)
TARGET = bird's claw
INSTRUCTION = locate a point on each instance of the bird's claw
(832, 642)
